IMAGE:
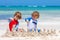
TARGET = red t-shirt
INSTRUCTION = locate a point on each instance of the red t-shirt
(12, 22)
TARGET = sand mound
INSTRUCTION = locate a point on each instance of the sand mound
(22, 33)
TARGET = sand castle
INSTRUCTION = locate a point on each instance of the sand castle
(23, 33)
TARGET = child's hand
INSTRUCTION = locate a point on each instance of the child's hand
(20, 30)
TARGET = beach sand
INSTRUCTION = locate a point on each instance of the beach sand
(49, 31)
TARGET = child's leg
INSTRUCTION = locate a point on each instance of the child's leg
(29, 29)
(35, 29)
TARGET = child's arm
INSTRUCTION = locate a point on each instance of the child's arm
(28, 19)
(11, 24)
(16, 27)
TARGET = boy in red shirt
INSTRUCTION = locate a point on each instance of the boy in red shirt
(14, 21)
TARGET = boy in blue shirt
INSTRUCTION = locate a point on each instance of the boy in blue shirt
(32, 21)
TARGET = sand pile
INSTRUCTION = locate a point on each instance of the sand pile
(22, 33)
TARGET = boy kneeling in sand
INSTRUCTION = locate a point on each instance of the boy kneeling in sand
(13, 24)
(32, 21)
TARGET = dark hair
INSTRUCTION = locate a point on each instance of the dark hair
(19, 16)
(36, 12)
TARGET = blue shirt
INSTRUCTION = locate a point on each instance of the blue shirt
(34, 22)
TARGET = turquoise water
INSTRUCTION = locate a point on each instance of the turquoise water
(29, 8)
(46, 12)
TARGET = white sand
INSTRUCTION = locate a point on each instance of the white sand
(50, 31)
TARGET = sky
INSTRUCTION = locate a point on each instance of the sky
(30, 2)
